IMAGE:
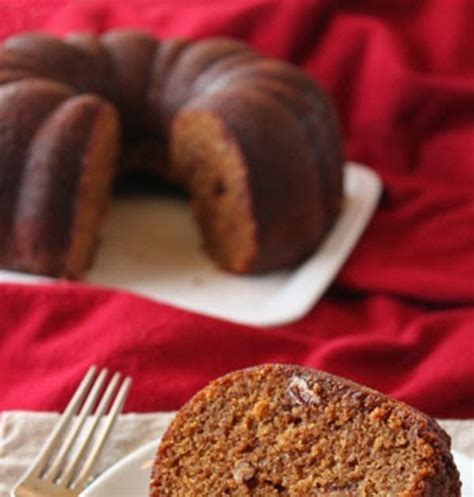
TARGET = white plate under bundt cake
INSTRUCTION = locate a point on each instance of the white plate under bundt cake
(291, 431)
(253, 141)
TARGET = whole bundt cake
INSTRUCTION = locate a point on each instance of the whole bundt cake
(253, 140)
(280, 430)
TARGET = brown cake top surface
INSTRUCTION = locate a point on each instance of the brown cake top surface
(291, 431)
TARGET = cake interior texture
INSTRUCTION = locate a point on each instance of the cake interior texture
(286, 430)
(253, 141)
(207, 160)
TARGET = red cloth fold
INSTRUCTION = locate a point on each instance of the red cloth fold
(400, 316)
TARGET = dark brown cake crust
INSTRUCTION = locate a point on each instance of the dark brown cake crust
(263, 206)
(24, 106)
(60, 61)
(79, 147)
(291, 431)
(258, 123)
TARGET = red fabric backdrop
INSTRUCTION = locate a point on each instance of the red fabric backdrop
(400, 316)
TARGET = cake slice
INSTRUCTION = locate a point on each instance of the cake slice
(287, 430)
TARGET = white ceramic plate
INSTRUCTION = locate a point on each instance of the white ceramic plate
(151, 246)
(130, 477)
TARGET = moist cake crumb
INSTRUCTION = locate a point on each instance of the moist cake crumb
(280, 430)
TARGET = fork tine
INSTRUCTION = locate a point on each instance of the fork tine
(66, 445)
(82, 478)
(68, 473)
(51, 444)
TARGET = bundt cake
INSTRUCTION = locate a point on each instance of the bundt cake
(253, 141)
(291, 431)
